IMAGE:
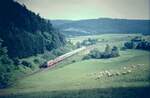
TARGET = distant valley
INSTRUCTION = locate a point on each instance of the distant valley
(101, 26)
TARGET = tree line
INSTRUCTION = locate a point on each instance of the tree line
(137, 43)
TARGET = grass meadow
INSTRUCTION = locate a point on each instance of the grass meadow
(77, 78)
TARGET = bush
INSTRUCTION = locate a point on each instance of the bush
(115, 52)
(16, 61)
(78, 45)
(108, 53)
(95, 53)
(86, 42)
(6, 60)
(27, 64)
(58, 52)
(73, 61)
(48, 56)
(138, 43)
(36, 61)
(123, 48)
(6, 68)
(86, 57)
(6, 79)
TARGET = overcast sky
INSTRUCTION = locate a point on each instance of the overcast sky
(88, 9)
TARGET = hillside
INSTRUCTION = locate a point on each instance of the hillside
(102, 26)
(25, 33)
(60, 22)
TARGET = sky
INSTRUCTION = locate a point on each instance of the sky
(89, 9)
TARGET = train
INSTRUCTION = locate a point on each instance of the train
(52, 62)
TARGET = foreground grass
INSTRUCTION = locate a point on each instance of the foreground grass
(134, 92)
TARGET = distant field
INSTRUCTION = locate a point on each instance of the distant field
(106, 37)
(78, 79)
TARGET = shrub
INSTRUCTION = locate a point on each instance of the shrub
(108, 53)
(6, 60)
(86, 57)
(36, 61)
(123, 48)
(73, 61)
(27, 64)
(86, 42)
(115, 52)
(6, 68)
(138, 43)
(16, 61)
(6, 79)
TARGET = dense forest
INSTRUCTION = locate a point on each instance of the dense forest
(25, 33)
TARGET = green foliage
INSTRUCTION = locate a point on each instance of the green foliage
(24, 33)
(86, 57)
(62, 50)
(26, 63)
(138, 43)
(107, 49)
(108, 53)
(36, 61)
(95, 53)
(16, 61)
(57, 52)
(48, 56)
(73, 61)
(86, 42)
(6, 68)
(115, 51)
(78, 45)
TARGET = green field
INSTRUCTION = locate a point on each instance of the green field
(79, 79)
(106, 37)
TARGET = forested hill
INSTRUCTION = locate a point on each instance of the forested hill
(102, 26)
(25, 33)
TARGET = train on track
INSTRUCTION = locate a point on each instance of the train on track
(60, 58)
